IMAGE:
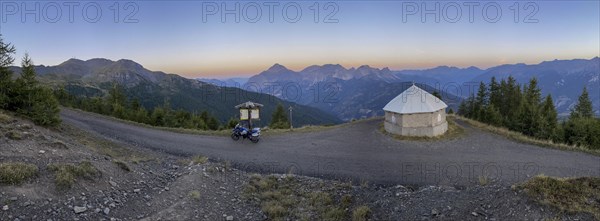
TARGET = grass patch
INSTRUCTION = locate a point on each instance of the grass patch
(454, 131)
(199, 159)
(334, 214)
(282, 198)
(4, 118)
(14, 135)
(361, 213)
(519, 137)
(122, 165)
(195, 195)
(66, 174)
(483, 180)
(571, 195)
(17, 173)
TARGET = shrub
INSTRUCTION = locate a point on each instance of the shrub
(361, 213)
(16, 173)
(67, 173)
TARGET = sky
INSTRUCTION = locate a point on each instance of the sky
(190, 38)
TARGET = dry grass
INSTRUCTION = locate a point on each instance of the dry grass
(14, 135)
(361, 213)
(17, 173)
(199, 159)
(571, 195)
(4, 118)
(195, 195)
(66, 174)
(122, 165)
(454, 131)
(519, 137)
(483, 180)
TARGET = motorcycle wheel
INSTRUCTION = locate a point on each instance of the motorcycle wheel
(235, 137)
(254, 140)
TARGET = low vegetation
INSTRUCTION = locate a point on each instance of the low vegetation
(194, 194)
(361, 213)
(279, 119)
(117, 104)
(283, 198)
(4, 118)
(199, 159)
(66, 174)
(520, 137)
(506, 105)
(17, 173)
(122, 165)
(571, 195)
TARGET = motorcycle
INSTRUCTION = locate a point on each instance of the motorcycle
(239, 131)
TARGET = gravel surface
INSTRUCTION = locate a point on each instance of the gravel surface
(152, 185)
(359, 151)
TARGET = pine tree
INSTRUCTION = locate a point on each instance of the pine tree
(531, 119)
(512, 101)
(493, 116)
(533, 93)
(549, 120)
(23, 88)
(583, 109)
(45, 109)
(481, 102)
(6, 59)
(495, 93)
(279, 119)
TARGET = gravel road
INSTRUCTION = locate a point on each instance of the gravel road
(360, 152)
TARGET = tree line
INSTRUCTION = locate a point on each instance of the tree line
(522, 109)
(117, 104)
(25, 95)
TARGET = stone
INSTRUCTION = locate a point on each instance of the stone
(474, 214)
(434, 212)
(112, 183)
(106, 211)
(5, 207)
(229, 218)
(42, 151)
(79, 209)
(136, 190)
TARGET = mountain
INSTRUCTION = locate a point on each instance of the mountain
(441, 74)
(353, 93)
(153, 88)
(563, 79)
(227, 82)
(346, 93)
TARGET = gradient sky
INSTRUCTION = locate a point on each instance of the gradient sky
(171, 36)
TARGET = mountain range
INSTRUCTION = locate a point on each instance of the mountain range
(322, 94)
(95, 77)
(360, 92)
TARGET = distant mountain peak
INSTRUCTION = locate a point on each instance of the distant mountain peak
(129, 63)
(277, 68)
(72, 61)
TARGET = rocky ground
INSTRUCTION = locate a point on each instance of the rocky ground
(134, 183)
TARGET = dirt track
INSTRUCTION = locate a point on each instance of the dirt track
(359, 151)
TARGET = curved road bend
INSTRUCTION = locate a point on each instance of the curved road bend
(359, 151)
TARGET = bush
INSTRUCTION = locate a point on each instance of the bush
(44, 111)
(16, 173)
(67, 173)
(361, 213)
